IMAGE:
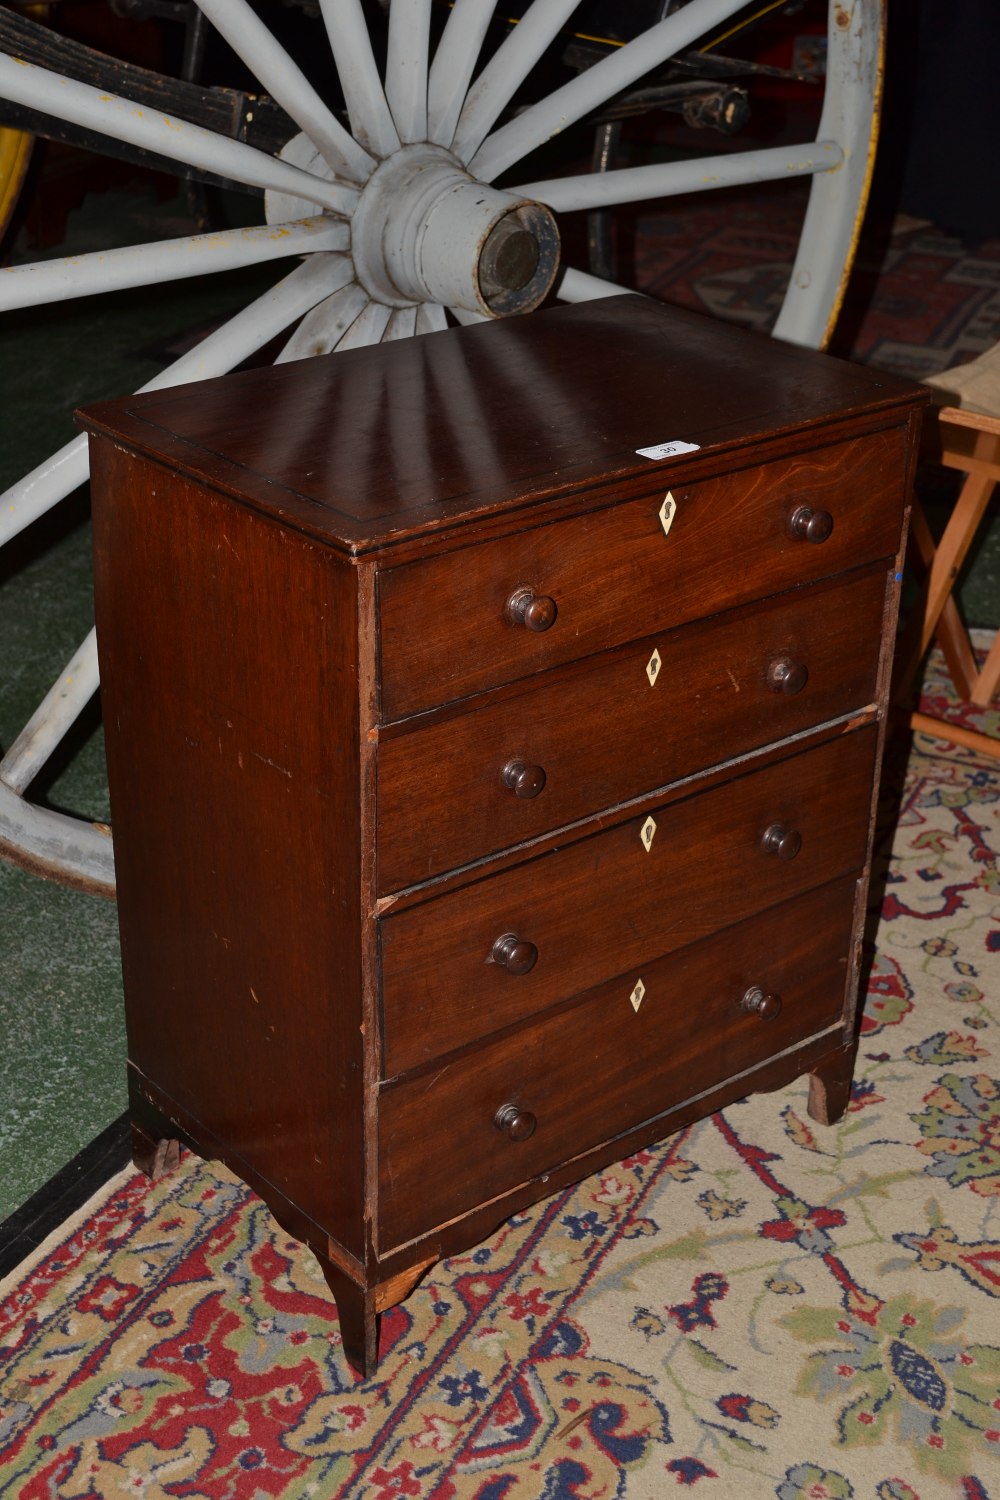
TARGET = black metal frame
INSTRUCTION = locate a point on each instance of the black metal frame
(240, 115)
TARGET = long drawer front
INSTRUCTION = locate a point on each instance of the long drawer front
(449, 627)
(598, 1068)
(453, 968)
(621, 724)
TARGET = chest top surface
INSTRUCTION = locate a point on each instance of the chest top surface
(378, 445)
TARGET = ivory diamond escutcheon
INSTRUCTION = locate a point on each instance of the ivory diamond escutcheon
(667, 512)
(653, 666)
(637, 994)
(646, 833)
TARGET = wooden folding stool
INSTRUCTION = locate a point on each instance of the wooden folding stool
(963, 436)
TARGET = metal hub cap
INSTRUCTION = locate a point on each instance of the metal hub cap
(425, 230)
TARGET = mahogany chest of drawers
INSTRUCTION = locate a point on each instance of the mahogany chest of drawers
(490, 797)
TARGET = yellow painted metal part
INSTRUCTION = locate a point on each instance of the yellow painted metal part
(610, 41)
(872, 149)
(15, 153)
(15, 148)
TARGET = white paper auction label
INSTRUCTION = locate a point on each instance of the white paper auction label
(668, 450)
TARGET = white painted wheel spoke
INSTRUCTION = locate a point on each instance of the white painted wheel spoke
(371, 119)
(178, 140)
(401, 325)
(228, 346)
(453, 66)
(664, 179)
(430, 318)
(589, 90)
(323, 328)
(406, 67)
(165, 260)
(56, 714)
(506, 71)
(258, 323)
(854, 70)
(44, 487)
(465, 316)
(45, 841)
(367, 328)
(580, 286)
(251, 40)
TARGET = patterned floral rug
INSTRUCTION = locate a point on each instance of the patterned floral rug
(927, 300)
(757, 1307)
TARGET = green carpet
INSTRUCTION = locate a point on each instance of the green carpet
(62, 1064)
(62, 1075)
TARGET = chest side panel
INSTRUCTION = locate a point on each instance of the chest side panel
(229, 657)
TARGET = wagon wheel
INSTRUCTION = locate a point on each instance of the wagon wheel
(394, 221)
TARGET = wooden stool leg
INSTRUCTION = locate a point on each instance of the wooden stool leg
(985, 744)
(950, 554)
(985, 686)
(952, 635)
(953, 638)
(936, 611)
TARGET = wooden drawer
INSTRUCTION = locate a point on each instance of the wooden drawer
(597, 1068)
(605, 730)
(604, 904)
(616, 576)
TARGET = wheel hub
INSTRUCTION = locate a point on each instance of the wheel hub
(426, 231)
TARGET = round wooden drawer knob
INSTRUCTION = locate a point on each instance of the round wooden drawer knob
(757, 1003)
(517, 1124)
(787, 676)
(810, 525)
(514, 955)
(536, 612)
(523, 780)
(783, 841)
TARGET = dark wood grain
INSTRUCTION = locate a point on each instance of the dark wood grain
(396, 1269)
(605, 904)
(602, 1066)
(616, 576)
(365, 449)
(156, 1156)
(774, 1072)
(811, 524)
(359, 1318)
(602, 731)
(317, 670)
(830, 1086)
(213, 626)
